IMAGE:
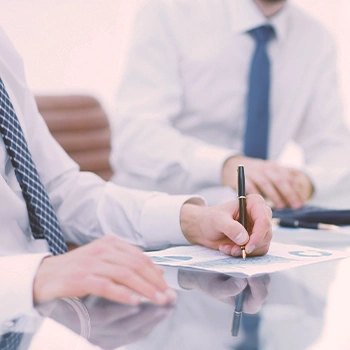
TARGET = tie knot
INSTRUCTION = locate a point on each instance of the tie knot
(263, 33)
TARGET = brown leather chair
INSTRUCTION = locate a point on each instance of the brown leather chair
(80, 125)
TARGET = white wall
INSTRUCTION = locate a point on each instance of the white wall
(67, 45)
(72, 45)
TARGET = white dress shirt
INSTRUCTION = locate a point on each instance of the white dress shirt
(183, 88)
(86, 206)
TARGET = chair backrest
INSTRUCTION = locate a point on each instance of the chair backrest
(80, 125)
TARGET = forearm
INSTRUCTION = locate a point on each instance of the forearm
(90, 208)
(168, 160)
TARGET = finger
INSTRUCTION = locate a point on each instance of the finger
(303, 185)
(260, 219)
(119, 253)
(139, 283)
(221, 286)
(262, 250)
(229, 249)
(259, 243)
(287, 187)
(259, 216)
(250, 186)
(141, 265)
(267, 187)
(106, 288)
(258, 293)
(233, 230)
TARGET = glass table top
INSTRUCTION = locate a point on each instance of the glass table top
(302, 308)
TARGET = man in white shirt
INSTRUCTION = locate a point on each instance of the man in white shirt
(87, 209)
(181, 102)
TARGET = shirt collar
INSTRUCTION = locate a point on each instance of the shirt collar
(246, 15)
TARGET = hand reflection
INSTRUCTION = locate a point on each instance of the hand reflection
(226, 288)
(111, 324)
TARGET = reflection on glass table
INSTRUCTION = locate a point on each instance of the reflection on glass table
(288, 303)
(110, 324)
(294, 311)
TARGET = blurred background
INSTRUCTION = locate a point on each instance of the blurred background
(74, 45)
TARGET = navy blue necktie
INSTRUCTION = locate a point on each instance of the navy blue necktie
(42, 217)
(257, 118)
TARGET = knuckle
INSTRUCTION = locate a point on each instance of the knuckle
(266, 222)
(257, 198)
(98, 248)
(79, 274)
(123, 274)
(101, 287)
(140, 262)
(109, 239)
(268, 211)
(136, 265)
(228, 227)
(144, 259)
(250, 189)
(263, 182)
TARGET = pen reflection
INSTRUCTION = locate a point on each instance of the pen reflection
(226, 288)
(246, 294)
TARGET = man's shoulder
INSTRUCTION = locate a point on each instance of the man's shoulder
(307, 23)
(182, 5)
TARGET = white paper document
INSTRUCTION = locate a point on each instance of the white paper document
(280, 257)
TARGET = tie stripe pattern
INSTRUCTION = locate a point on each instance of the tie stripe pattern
(258, 109)
(42, 217)
(10, 341)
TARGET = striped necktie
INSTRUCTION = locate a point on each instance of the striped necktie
(10, 341)
(42, 217)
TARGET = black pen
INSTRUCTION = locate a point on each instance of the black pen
(237, 314)
(242, 202)
(236, 321)
(303, 224)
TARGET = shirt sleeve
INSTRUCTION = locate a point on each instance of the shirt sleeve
(17, 275)
(54, 336)
(88, 207)
(147, 149)
(324, 135)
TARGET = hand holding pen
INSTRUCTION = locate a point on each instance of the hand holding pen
(218, 227)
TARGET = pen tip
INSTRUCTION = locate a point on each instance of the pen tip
(244, 254)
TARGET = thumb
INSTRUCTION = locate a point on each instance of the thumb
(235, 231)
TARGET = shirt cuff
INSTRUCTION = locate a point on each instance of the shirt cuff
(54, 336)
(323, 186)
(17, 274)
(206, 164)
(160, 220)
(171, 276)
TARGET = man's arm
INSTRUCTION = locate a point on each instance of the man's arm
(115, 270)
(146, 146)
(324, 135)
